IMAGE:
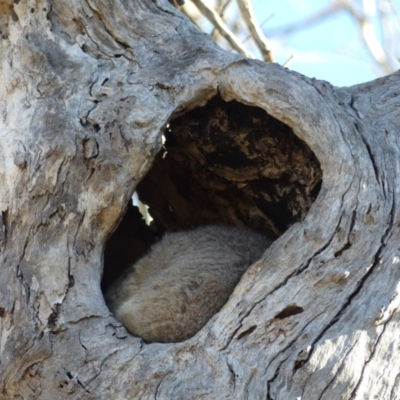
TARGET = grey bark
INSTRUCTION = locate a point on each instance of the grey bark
(86, 89)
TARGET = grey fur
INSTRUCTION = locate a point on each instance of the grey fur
(169, 294)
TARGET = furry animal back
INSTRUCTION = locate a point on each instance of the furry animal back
(169, 294)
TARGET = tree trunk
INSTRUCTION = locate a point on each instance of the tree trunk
(87, 89)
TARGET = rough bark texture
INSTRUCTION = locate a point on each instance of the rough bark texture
(86, 91)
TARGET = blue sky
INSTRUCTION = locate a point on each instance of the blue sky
(330, 50)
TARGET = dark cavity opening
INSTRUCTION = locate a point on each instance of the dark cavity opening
(224, 163)
(289, 311)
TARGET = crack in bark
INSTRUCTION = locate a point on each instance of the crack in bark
(232, 373)
(357, 290)
(100, 368)
(240, 323)
(371, 355)
(371, 156)
(285, 281)
(157, 388)
(117, 131)
(82, 385)
(80, 223)
(289, 311)
(71, 279)
(5, 225)
(118, 41)
(294, 340)
(346, 246)
(58, 173)
(92, 171)
(392, 213)
(247, 332)
(329, 241)
(269, 382)
(19, 273)
(53, 317)
(338, 370)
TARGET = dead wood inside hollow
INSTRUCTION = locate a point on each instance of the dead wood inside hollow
(224, 163)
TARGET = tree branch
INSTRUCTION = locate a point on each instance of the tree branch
(248, 17)
(217, 21)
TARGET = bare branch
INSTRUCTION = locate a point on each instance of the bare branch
(368, 33)
(224, 7)
(217, 21)
(288, 61)
(261, 41)
(221, 11)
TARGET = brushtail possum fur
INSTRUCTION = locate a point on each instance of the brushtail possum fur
(169, 294)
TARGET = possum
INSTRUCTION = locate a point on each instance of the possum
(185, 278)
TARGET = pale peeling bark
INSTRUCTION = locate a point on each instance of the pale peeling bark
(86, 88)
